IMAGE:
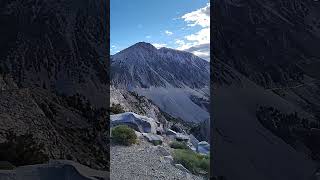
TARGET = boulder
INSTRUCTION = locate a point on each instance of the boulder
(171, 132)
(139, 123)
(176, 128)
(159, 128)
(153, 138)
(203, 148)
(193, 140)
(182, 137)
(138, 134)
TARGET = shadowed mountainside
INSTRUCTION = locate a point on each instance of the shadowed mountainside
(265, 55)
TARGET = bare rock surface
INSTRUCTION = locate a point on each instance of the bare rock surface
(56, 169)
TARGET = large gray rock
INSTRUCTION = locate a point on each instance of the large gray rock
(203, 148)
(153, 138)
(182, 137)
(193, 140)
(58, 169)
(139, 123)
(171, 132)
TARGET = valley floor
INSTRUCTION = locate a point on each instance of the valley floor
(144, 161)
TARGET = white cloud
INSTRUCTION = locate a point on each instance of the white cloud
(159, 45)
(204, 55)
(179, 42)
(182, 45)
(199, 17)
(198, 48)
(148, 37)
(200, 37)
(169, 33)
(197, 43)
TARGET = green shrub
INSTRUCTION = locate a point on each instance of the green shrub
(178, 145)
(22, 150)
(156, 143)
(116, 109)
(124, 135)
(194, 162)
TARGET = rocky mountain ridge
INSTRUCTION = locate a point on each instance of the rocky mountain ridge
(143, 65)
(175, 81)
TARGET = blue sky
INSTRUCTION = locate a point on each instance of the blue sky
(177, 24)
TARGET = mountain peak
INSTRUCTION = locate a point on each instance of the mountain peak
(144, 45)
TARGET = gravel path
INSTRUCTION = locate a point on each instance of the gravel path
(144, 162)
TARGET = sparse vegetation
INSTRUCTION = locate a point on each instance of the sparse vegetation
(123, 135)
(194, 162)
(156, 143)
(178, 145)
(116, 109)
(22, 150)
(291, 128)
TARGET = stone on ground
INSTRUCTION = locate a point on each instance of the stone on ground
(140, 123)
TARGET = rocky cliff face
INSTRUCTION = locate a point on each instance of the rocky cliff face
(53, 80)
(57, 45)
(67, 131)
(271, 42)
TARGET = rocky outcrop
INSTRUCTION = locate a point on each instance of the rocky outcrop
(140, 123)
(132, 102)
(57, 169)
(203, 148)
(65, 131)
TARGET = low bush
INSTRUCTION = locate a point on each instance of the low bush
(194, 162)
(124, 135)
(178, 145)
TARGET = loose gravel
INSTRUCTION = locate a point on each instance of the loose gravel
(144, 161)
